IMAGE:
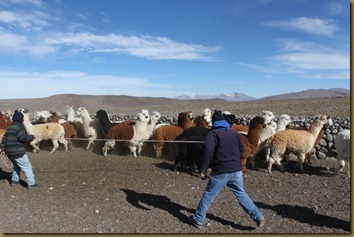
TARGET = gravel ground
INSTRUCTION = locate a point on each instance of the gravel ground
(81, 191)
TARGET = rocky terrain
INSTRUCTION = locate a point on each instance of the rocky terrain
(81, 191)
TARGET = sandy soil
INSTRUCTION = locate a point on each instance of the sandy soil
(84, 192)
(81, 191)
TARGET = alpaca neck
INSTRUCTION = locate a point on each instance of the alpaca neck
(315, 129)
(28, 126)
(254, 135)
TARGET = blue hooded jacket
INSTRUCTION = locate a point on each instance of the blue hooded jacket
(223, 149)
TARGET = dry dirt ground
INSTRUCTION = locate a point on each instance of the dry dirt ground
(84, 192)
(81, 191)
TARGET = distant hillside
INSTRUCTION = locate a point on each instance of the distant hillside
(110, 103)
(233, 97)
(312, 93)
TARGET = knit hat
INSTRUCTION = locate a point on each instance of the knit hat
(217, 116)
(17, 117)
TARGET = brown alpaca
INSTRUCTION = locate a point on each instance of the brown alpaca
(240, 128)
(250, 141)
(170, 132)
(2, 133)
(3, 123)
(69, 127)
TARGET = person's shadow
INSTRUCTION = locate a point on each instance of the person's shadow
(306, 215)
(175, 209)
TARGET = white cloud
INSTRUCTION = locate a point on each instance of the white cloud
(335, 7)
(150, 47)
(305, 24)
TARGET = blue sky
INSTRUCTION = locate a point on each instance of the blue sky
(167, 48)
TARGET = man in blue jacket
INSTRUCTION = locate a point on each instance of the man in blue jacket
(13, 143)
(223, 149)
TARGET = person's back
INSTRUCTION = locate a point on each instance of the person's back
(223, 149)
(227, 149)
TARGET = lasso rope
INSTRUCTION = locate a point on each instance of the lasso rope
(143, 140)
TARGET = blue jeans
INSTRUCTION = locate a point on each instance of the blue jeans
(234, 181)
(23, 164)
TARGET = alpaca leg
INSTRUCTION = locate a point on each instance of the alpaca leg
(341, 164)
(158, 149)
(243, 165)
(34, 143)
(107, 146)
(63, 141)
(271, 161)
(348, 167)
(90, 141)
(55, 145)
(300, 161)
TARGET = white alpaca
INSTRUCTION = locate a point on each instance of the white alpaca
(42, 116)
(268, 116)
(133, 133)
(342, 144)
(52, 131)
(207, 117)
(89, 126)
(283, 121)
(299, 142)
(71, 115)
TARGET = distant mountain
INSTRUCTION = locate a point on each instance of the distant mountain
(234, 97)
(311, 93)
(227, 97)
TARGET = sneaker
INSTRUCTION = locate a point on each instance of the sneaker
(193, 222)
(33, 186)
(13, 183)
(260, 223)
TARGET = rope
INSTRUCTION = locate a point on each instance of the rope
(126, 140)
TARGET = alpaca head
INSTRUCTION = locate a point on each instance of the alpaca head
(82, 112)
(143, 117)
(268, 115)
(101, 114)
(284, 119)
(323, 119)
(257, 123)
(155, 116)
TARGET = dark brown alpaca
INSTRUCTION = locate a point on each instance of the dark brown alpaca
(250, 141)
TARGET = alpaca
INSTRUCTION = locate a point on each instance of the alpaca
(8, 115)
(251, 140)
(91, 128)
(4, 124)
(283, 121)
(207, 117)
(132, 131)
(170, 132)
(53, 131)
(298, 142)
(191, 147)
(70, 130)
(71, 115)
(342, 144)
(2, 133)
(42, 116)
(267, 115)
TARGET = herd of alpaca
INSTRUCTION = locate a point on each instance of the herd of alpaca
(264, 136)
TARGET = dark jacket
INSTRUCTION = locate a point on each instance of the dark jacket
(223, 148)
(14, 139)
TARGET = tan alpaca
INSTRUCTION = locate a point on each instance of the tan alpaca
(299, 142)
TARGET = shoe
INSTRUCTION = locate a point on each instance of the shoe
(33, 186)
(13, 183)
(193, 222)
(260, 223)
